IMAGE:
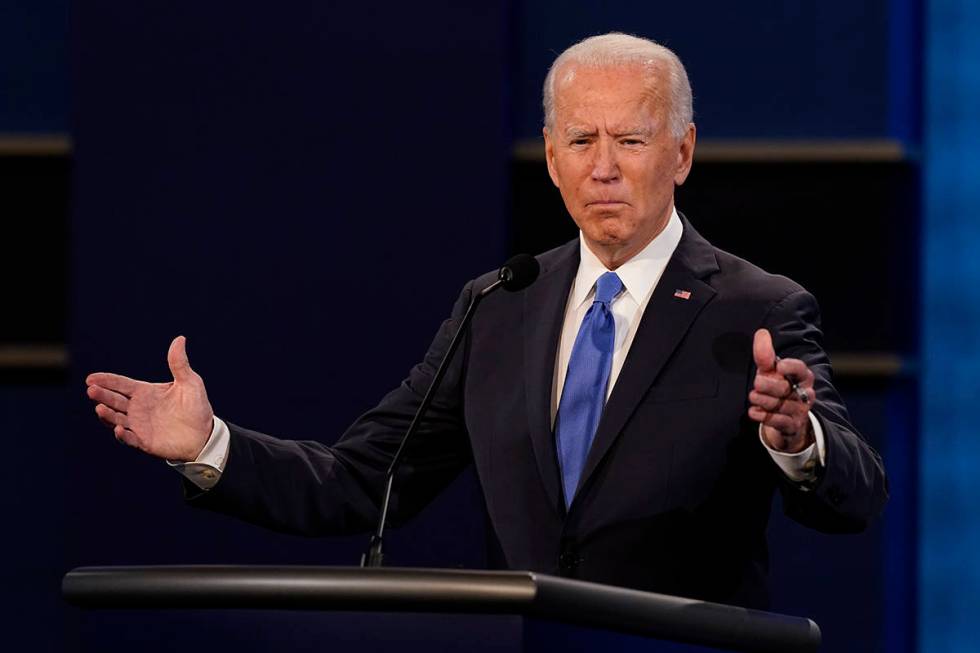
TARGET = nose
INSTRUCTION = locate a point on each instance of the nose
(605, 167)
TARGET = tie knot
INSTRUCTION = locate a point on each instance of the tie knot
(607, 287)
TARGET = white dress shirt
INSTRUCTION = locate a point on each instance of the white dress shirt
(639, 275)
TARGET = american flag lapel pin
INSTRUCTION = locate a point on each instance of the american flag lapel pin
(682, 294)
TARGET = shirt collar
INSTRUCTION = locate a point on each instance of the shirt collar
(639, 274)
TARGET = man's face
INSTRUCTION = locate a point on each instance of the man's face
(613, 158)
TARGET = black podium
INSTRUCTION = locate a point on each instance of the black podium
(231, 608)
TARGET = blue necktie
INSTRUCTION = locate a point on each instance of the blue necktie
(584, 393)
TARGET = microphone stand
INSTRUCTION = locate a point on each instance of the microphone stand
(374, 557)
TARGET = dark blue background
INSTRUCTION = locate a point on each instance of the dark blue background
(767, 68)
(289, 190)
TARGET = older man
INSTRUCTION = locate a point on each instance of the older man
(637, 433)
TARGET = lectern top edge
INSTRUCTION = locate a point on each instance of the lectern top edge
(450, 591)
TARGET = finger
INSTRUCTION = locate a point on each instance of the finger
(770, 403)
(774, 386)
(795, 369)
(113, 400)
(782, 423)
(115, 382)
(180, 367)
(791, 405)
(125, 436)
(113, 417)
(763, 352)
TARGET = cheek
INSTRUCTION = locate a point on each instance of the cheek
(572, 173)
(657, 180)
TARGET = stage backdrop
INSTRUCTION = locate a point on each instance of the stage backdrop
(302, 191)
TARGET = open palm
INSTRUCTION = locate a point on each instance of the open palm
(168, 420)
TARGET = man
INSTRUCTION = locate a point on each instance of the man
(636, 432)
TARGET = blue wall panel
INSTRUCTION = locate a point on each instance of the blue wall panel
(950, 485)
(764, 69)
(34, 66)
(32, 547)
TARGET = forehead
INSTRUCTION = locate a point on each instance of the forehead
(627, 92)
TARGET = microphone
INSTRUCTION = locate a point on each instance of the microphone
(516, 274)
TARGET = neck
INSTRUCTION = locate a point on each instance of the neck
(614, 256)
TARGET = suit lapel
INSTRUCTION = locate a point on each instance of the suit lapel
(664, 323)
(544, 312)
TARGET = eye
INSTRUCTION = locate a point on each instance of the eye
(632, 141)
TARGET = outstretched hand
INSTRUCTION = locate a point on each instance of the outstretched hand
(168, 420)
(774, 403)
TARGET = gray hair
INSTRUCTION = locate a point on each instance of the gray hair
(617, 49)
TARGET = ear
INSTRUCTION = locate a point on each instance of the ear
(685, 155)
(549, 156)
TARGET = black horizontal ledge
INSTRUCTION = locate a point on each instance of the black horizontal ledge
(29, 144)
(761, 150)
(440, 591)
(871, 364)
(33, 356)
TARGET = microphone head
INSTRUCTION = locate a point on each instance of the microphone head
(519, 272)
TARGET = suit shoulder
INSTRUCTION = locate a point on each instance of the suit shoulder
(739, 277)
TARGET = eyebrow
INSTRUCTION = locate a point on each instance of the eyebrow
(634, 131)
(581, 132)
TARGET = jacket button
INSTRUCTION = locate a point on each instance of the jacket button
(835, 495)
(567, 562)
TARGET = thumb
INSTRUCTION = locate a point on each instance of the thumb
(763, 352)
(180, 367)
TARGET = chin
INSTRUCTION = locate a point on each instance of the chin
(610, 234)
(609, 240)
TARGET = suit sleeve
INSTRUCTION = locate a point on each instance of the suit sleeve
(308, 488)
(852, 487)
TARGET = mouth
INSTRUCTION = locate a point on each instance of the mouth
(606, 203)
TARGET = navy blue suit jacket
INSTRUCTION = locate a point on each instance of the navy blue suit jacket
(676, 492)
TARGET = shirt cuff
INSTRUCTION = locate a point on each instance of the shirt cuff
(205, 471)
(801, 467)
